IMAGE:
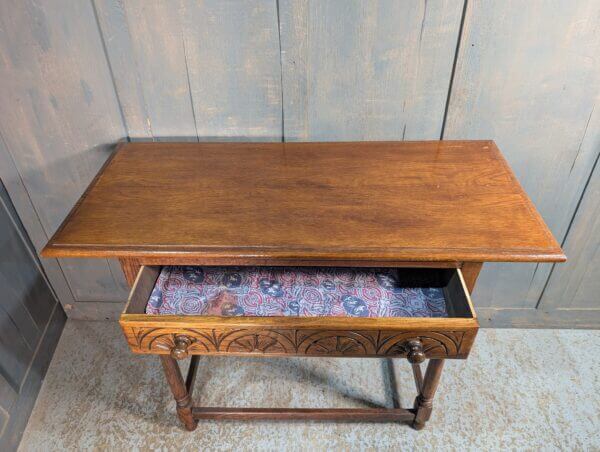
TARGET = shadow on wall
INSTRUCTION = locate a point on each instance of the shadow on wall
(207, 139)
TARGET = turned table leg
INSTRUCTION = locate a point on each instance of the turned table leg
(424, 401)
(180, 392)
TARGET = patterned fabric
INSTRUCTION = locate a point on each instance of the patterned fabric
(290, 291)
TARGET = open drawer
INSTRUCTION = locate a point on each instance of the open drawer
(415, 313)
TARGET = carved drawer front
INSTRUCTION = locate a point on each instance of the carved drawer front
(414, 338)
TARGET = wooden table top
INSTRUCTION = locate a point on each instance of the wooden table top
(371, 201)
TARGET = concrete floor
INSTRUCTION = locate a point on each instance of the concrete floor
(519, 390)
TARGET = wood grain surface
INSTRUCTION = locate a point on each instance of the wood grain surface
(421, 201)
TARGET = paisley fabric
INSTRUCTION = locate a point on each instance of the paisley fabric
(291, 291)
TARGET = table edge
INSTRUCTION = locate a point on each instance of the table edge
(274, 254)
(256, 254)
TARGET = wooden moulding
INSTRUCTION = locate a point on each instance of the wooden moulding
(181, 336)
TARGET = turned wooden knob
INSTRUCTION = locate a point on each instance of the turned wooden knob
(180, 350)
(414, 351)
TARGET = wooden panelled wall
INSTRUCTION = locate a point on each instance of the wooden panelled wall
(31, 322)
(77, 77)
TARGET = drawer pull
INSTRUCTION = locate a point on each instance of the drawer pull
(180, 350)
(414, 351)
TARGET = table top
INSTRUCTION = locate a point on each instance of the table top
(375, 201)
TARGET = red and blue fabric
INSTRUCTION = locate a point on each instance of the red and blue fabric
(291, 291)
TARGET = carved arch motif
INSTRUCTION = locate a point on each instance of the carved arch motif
(163, 339)
(437, 343)
(345, 343)
(298, 342)
(261, 341)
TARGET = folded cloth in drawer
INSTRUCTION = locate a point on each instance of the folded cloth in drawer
(291, 291)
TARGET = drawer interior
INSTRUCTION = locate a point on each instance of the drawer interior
(197, 291)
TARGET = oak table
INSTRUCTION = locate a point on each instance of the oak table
(433, 210)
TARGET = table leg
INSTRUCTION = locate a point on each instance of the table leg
(180, 392)
(424, 401)
(418, 376)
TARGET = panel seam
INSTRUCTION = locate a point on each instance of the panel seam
(568, 230)
(280, 72)
(110, 70)
(453, 71)
(189, 86)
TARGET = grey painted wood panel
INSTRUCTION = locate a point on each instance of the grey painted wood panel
(112, 22)
(58, 117)
(14, 306)
(195, 70)
(577, 285)
(377, 70)
(150, 34)
(530, 81)
(18, 409)
(538, 318)
(30, 324)
(20, 267)
(8, 397)
(26, 302)
(15, 354)
(234, 68)
(17, 192)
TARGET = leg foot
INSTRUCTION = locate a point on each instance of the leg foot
(184, 411)
(180, 392)
(418, 425)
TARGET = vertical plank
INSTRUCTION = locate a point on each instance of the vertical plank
(234, 68)
(25, 299)
(21, 406)
(530, 81)
(149, 56)
(8, 397)
(58, 117)
(112, 21)
(17, 273)
(195, 70)
(16, 192)
(27, 311)
(17, 311)
(15, 354)
(377, 70)
(577, 285)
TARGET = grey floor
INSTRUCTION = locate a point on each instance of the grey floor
(519, 390)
